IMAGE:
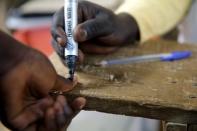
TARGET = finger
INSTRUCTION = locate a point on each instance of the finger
(32, 113)
(98, 49)
(57, 22)
(78, 104)
(50, 120)
(100, 26)
(60, 118)
(59, 43)
(61, 39)
(59, 49)
(64, 85)
(63, 102)
(114, 39)
(64, 113)
(81, 57)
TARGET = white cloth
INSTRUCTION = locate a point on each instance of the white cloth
(95, 121)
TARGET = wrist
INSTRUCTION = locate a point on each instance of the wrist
(129, 28)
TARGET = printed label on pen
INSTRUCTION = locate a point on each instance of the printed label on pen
(70, 24)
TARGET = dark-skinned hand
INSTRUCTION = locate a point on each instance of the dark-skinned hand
(100, 31)
(26, 79)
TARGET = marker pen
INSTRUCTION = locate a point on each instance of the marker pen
(71, 50)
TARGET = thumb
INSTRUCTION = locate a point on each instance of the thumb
(93, 28)
(63, 85)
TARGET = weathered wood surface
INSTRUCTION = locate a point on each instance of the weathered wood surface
(159, 90)
(176, 127)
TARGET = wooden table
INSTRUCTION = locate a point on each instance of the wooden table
(159, 90)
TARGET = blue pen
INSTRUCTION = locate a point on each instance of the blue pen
(177, 55)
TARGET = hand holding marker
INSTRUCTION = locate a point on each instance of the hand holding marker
(71, 51)
(177, 55)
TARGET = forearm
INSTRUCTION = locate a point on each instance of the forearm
(11, 53)
(155, 17)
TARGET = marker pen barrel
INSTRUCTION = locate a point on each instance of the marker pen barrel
(71, 50)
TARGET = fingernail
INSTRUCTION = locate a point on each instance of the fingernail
(83, 103)
(83, 34)
(60, 41)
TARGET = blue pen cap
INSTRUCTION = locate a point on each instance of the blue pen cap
(177, 55)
